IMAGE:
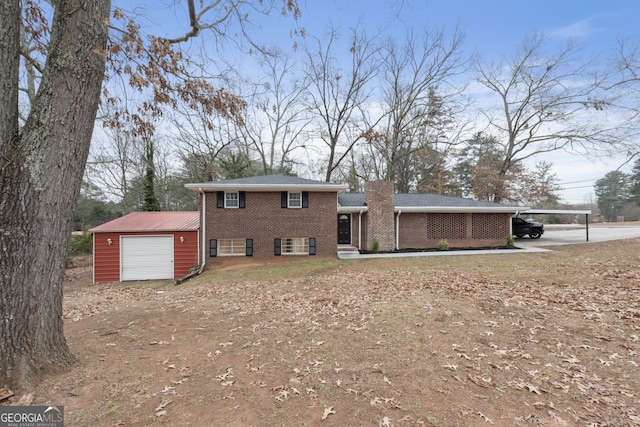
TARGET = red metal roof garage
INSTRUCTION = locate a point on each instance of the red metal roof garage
(146, 246)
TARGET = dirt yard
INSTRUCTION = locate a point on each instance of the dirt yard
(525, 339)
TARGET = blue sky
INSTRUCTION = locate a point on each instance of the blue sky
(493, 28)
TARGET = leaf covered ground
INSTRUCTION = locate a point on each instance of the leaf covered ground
(548, 339)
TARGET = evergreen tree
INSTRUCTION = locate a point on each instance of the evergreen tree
(634, 182)
(151, 203)
(612, 192)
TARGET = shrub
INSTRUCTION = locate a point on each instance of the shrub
(376, 246)
(443, 245)
(511, 241)
(81, 244)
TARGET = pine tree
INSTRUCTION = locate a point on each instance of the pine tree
(151, 203)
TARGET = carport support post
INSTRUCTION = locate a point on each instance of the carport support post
(586, 221)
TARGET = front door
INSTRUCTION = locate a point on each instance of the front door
(344, 229)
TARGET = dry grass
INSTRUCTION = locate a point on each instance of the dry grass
(524, 339)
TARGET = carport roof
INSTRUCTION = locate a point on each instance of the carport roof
(152, 221)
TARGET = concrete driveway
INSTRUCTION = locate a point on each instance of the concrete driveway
(567, 235)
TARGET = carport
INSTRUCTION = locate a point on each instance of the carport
(585, 212)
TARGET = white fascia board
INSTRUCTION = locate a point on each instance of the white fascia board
(339, 188)
(558, 211)
(460, 209)
(352, 209)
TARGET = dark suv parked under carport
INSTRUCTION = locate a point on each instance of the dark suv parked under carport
(521, 226)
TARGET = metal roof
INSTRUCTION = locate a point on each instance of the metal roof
(416, 202)
(152, 221)
(268, 183)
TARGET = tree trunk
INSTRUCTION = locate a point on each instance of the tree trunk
(41, 171)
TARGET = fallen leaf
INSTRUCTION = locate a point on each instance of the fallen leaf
(328, 411)
(485, 418)
(557, 418)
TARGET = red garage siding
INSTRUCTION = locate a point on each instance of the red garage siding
(182, 226)
(185, 253)
(106, 257)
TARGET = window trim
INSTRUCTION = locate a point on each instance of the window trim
(226, 200)
(286, 199)
(299, 200)
(294, 246)
(238, 247)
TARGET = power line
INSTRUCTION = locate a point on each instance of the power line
(575, 188)
(578, 182)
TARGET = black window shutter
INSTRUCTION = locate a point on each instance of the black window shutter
(305, 199)
(284, 199)
(220, 199)
(249, 247)
(242, 199)
(277, 247)
(213, 247)
(312, 245)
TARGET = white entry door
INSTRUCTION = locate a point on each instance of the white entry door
(146, 257)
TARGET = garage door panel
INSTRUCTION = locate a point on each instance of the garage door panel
(146, 257)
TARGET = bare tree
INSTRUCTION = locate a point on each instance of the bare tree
(338, 95)
(624, 86)
(544, 102)
(200, 140)
(42, 162)
(418, 106)
(113, 162)
(278, 115)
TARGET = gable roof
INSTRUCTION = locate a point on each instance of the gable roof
(416, 202)
(152, 221)
(268, 183)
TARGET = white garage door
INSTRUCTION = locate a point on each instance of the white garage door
(146, 257)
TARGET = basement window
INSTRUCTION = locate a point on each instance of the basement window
(295, 246)
(232, 247)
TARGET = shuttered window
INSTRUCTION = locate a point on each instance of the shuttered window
(232, 247)
(294, 199)
(295, 246)
(231, 199)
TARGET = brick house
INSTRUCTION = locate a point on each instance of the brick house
(278, 215)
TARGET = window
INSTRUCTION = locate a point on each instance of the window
(231, 200)
(295, 246)
(230, 247)
(295, 200)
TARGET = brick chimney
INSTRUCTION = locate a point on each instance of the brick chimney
(380, 217)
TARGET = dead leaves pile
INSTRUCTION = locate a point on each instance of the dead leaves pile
(398, 346)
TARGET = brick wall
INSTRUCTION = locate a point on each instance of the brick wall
(459, 229)
(263, 220)
(380, 218)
